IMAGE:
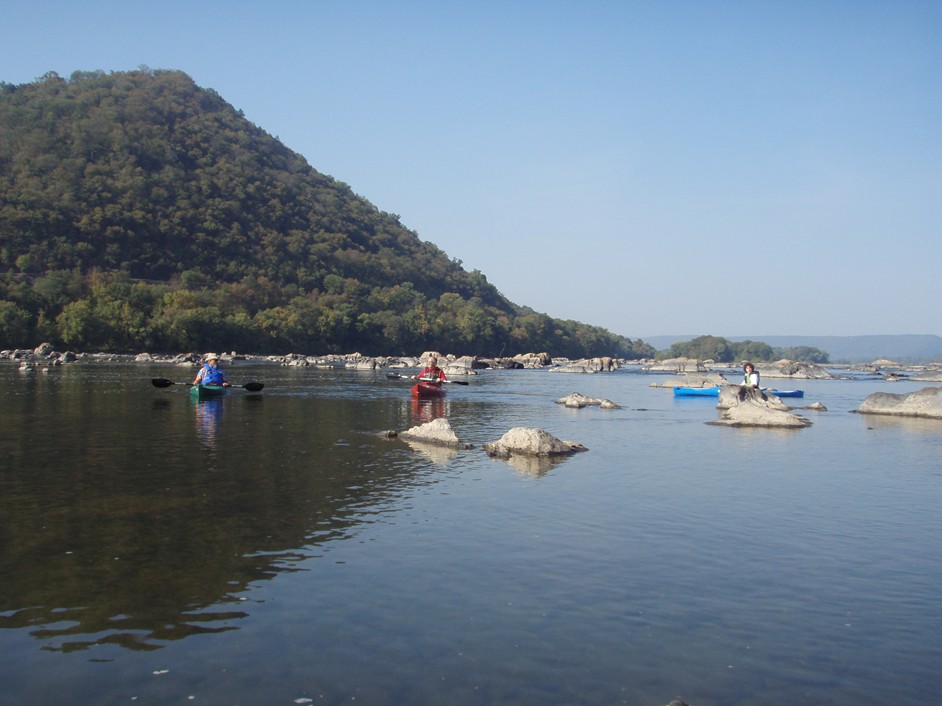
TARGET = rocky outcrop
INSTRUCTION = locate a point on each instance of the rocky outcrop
(677, 365)
(533, 360)
(528, 441)
(438, 431)
(744, 407)
(693, 380)
(926, 403)
(734, 395)
(587, 365)
(931, 375)
(792, 370)
(577, 400)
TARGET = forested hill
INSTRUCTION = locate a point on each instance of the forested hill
(140, 211)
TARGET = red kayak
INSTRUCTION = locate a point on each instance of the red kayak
(426, 390)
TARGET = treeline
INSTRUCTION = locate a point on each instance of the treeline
(112, 312)
(139, 211)
(724, 351)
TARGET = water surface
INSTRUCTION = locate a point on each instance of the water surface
(277, 549)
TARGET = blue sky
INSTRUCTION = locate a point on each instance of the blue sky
(656, 168)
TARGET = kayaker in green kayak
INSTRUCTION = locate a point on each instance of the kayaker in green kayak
(211, 373)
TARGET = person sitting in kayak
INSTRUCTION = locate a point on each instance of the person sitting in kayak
(431, 372)
(211, 373)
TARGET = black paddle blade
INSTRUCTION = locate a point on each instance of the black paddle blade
(395, 376)
(254, 386)
(161, 382)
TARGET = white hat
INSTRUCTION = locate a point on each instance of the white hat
(211, 356)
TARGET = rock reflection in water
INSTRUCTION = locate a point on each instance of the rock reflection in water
(533, 466)
(436, 453)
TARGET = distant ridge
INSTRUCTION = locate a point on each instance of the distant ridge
(904, 348)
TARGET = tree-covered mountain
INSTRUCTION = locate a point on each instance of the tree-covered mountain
(140, 211)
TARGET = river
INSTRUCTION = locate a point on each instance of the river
(277, 548)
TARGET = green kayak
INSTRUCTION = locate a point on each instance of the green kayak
(204, 392)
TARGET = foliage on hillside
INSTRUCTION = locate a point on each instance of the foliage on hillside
(723, 351)
(139, 211)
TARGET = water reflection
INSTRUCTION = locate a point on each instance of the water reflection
(533, 466)
(436, 453)
(208, 415)
(425, 410)
(121, 530)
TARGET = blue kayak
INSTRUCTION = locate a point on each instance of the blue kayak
(715, 391)
(697, 391)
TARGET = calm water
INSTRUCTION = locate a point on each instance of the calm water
(274, 549)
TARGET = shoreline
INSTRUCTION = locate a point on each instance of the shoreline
(46, 355)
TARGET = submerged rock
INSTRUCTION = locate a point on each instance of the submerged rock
(926, 403)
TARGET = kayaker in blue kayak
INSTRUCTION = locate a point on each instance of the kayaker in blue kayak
(211, 373)
(431, 372)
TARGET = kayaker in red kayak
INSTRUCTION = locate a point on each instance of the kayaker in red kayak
(431, 372)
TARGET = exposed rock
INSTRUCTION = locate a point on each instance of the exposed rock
(534, 360)
(928, 376)
(733, 395)
(817, 407)
(693, 380)
(438, 431)
(926, 402)
(531, 442)
(457, 368)
(143, 358)
(677, 365)
(745, 407)
(573, 368)
(794, 370)
(587, 365)
(577, 400)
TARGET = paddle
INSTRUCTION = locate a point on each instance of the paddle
(164, 382)
(397, 376)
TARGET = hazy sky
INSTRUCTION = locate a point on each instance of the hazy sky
(653, 167)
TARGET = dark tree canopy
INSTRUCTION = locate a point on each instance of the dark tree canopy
(721, 350)
(138, 210)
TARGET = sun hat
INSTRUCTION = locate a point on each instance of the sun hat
(211, 356)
